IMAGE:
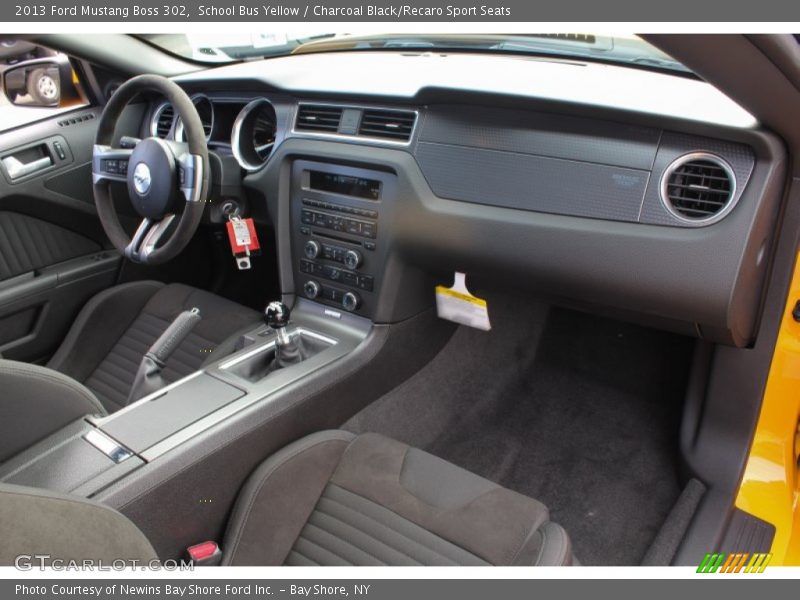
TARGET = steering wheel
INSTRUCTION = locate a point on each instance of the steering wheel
(162, 176)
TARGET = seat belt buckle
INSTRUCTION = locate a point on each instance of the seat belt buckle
(205, 554)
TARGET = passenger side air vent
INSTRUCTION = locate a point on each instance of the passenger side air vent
(698, 187)
(162, 121)
(388, 124)
(318, 117)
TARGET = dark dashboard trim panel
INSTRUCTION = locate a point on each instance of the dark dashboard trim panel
(558, 164)
(687, 275)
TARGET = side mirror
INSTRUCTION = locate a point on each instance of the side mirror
(41, 82)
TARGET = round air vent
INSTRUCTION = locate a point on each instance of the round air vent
(163, 118)
(205, 109)
(254, 133)
(698, 188)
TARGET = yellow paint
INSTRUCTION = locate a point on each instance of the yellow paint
(446, 291)
(769, 488)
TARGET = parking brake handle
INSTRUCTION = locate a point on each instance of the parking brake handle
(148, 377)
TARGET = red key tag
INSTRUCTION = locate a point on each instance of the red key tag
(242, 236)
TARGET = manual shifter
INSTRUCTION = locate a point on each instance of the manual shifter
(288, 351)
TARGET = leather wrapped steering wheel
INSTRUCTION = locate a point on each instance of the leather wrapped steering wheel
(166, 180)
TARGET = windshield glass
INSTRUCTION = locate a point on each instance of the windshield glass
(622, 48)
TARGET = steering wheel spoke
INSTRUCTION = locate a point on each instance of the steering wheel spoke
(110, 164)
(146, 238)
(190, 175)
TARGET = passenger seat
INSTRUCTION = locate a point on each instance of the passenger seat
(333, 498)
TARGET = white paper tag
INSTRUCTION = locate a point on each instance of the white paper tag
(459, 305)
(241, 232)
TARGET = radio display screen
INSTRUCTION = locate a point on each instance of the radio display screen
(360, 187)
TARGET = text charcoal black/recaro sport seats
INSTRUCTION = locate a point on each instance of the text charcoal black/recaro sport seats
(331, 498)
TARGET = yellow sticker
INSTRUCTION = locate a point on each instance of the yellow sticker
(459, 305)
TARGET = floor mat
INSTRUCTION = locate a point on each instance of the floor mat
(577, 411)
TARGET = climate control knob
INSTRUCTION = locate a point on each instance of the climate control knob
(312, 249)
(311, 289)
(351, 301)
(352, 259)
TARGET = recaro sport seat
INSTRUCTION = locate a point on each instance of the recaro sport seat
(111, 334)
(331, 498)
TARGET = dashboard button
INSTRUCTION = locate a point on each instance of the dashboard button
(311, 289)
(312, 249)
(365, 282)
(352, 259)
(369, 230)
(351, 301)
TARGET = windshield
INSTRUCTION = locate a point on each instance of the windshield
(622, 48)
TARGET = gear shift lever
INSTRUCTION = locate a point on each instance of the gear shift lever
(287, 350)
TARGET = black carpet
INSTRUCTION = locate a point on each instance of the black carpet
(577, 411)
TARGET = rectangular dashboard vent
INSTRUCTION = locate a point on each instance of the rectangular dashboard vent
(388, 124)
(318, 117)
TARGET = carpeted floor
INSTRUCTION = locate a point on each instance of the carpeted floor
(577, 411)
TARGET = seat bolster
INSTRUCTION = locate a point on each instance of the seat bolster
(477, 515)
(67, 528)
(99, 325)
(547, 546)
(278, 498)
(36, 402)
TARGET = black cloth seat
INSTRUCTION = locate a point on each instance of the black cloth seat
(108, 339)
(334, 498)
(331, 498)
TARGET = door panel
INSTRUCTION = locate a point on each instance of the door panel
(54, 255)
(28, 244)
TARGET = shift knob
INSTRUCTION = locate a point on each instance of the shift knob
(276, 315)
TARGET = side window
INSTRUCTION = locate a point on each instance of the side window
(37, 83)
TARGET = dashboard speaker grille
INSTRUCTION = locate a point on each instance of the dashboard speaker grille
(698, 188)
(311, 117)
(388, 124)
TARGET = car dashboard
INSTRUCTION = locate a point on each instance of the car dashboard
(656, 203)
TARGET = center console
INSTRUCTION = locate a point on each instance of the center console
(339, 216)
(88, 455)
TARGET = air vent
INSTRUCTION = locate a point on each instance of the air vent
(698, 187)
(389, 124)
(74, 120)
(318, 117)
(162, 121)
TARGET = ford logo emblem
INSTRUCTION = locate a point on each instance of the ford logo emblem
(142, 179)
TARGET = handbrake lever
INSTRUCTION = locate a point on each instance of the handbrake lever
(148, 377)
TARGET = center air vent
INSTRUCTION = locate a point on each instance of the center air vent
(162, 121)
(389, 124)
(698, 187)
(318, 117)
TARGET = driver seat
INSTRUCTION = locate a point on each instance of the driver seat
(94, 369)
(114, 330)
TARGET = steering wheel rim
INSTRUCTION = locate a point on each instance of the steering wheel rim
(185, 164)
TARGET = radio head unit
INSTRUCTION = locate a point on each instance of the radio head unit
(339, 217)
